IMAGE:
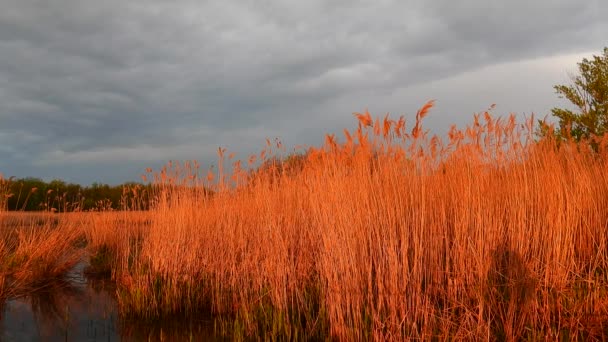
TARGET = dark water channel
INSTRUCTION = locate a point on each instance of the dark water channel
(81, 309)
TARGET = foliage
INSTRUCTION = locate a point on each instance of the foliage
(5, 192)
(589, 94)
(34, 194)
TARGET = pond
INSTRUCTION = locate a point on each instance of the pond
(83, 309)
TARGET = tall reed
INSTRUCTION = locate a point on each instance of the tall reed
(391, 234)
(37, 250)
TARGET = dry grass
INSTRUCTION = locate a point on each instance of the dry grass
(390, 235)
(36, 250)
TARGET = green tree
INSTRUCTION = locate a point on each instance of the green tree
(589, 94)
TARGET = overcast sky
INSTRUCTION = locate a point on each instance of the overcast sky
(96, 91)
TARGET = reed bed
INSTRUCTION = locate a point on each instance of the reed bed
(36, 251)
(389, 235)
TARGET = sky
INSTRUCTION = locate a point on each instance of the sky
(97, 91)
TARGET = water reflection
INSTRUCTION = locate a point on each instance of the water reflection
(63, 311)
(81, 309)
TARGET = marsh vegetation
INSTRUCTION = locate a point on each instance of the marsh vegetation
(386, 234)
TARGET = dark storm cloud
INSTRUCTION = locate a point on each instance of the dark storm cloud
(87, 83)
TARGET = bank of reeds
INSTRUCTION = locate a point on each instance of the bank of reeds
(385, 234)
(36, 250)
(391, 234)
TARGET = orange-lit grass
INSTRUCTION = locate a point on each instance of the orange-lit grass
(389, 235)
(109, 237)
(36, 249)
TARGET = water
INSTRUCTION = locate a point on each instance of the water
(82, 309)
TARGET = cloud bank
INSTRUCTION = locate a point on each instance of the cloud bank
(99, 90)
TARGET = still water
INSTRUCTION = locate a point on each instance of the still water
(81, 309)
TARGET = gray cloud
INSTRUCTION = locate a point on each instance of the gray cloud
(91, 90)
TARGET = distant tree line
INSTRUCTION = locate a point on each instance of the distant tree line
(33, 194)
